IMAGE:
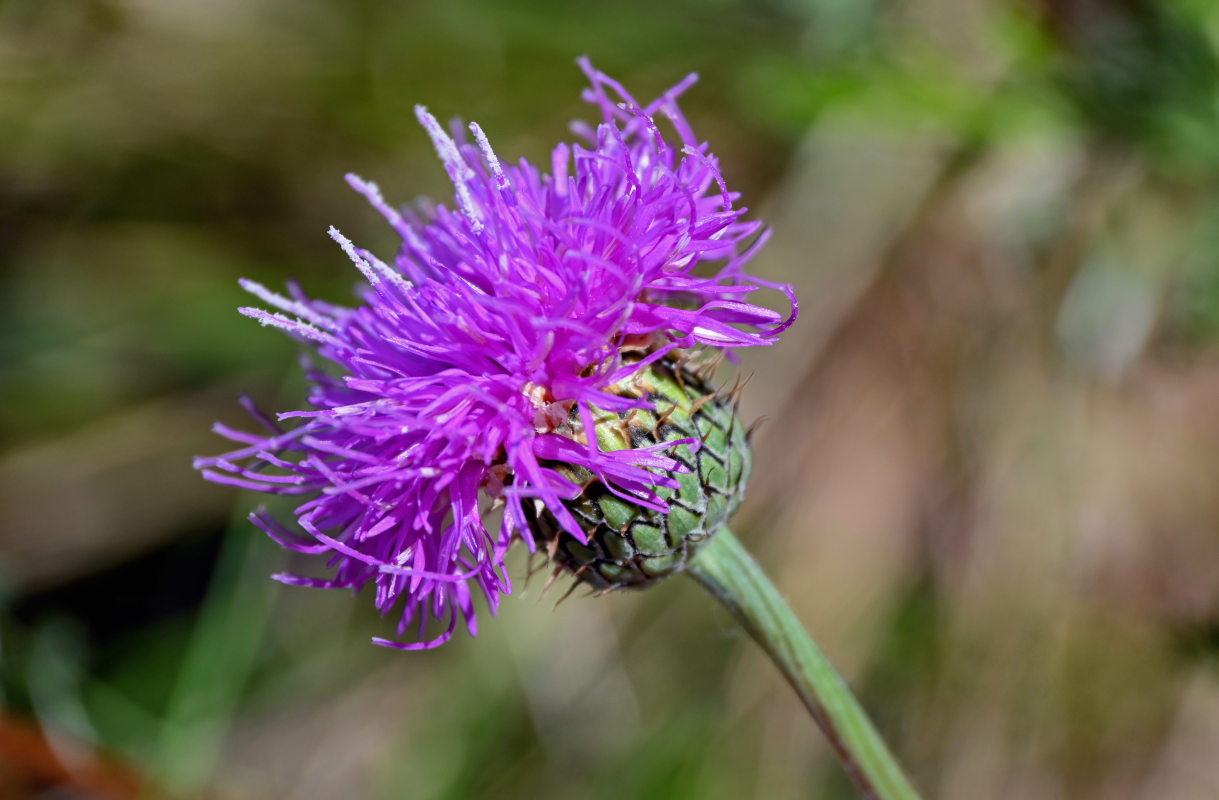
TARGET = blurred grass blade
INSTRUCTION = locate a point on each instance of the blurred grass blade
(217, 664)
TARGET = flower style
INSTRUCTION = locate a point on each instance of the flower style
(497, 321)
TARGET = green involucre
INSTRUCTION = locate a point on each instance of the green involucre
(629, 545)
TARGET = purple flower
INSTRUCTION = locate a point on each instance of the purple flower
(496, 320)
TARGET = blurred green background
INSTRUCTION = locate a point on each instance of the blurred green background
(988, 480)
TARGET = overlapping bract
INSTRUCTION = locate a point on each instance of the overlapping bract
(496, 319)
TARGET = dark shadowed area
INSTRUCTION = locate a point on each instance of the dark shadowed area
(988, 479)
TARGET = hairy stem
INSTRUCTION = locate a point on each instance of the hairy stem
(729, 573)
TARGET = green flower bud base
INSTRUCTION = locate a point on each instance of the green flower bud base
(631, 546)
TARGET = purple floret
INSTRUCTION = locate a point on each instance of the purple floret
(495, 320)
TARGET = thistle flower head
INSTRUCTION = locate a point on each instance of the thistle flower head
(477, 356)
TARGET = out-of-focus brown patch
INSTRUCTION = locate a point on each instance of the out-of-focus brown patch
(33, 765)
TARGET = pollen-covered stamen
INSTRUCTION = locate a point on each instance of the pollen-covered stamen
(372, 193)
(501, 181)
(297, 327)
(458, 169)
(376, 271)
(301, 310)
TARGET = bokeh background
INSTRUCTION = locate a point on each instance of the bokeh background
(988, 479)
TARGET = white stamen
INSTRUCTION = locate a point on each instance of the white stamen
(373, 268)
(285, 304)
(501, 180)
(372, 193)
(291, 325)
(457, 167)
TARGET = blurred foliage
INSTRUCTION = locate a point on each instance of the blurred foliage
(988, 482)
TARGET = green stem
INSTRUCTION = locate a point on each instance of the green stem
(727, 571)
